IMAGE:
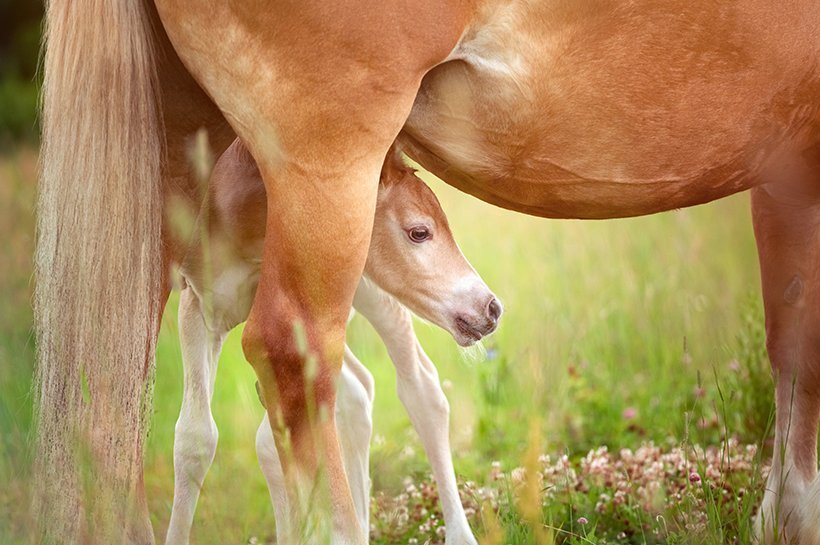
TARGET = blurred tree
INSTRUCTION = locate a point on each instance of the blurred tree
(19, 37)
(20, 27)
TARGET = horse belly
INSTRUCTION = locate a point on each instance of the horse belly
(612, 119)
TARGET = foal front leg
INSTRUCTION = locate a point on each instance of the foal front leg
(420, 391)
(195, 435)
(787, 228)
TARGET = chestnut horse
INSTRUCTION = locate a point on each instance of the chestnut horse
(411, 238)
(559, 108)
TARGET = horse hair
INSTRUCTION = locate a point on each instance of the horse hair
(97, 267)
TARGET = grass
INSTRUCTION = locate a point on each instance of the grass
(616, 333)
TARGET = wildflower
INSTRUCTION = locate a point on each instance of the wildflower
(583, 521)
(694, 477)
(630, 413)
(495, 471)
(518, 475)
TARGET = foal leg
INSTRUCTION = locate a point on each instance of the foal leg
(787, 229)
(272, 470)
(195, 435)
(420, 392)
(354, 423)
(354, 404)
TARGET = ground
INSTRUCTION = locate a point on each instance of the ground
(624, 345)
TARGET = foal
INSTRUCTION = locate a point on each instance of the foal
(413, 258)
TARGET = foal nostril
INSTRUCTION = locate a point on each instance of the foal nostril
(494, 309)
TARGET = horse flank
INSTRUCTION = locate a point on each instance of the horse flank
(97, 263)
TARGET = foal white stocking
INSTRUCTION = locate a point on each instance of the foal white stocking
(195, 435)
(420, 392)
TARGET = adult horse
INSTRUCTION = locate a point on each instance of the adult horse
(560, 108)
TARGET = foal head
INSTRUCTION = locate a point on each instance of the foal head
(414, 257)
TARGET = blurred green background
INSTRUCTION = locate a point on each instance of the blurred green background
(19, 48)
(615, 333)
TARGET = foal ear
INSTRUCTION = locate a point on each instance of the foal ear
(394, 167)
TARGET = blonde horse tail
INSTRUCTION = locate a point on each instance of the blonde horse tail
(98, 271)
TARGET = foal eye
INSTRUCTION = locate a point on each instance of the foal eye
(419, 234)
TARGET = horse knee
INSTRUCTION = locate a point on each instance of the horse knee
(440, 404)
(195, 444)
(296, 361)
(794, 354)
(429, 389)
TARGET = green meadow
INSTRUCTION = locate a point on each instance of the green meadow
(643, 336)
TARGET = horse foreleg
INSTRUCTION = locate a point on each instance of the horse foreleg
(420, 391)
(787, 229)
(195, 435)
(294, 338)
(354, 402)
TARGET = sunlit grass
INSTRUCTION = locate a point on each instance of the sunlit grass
(614, 334)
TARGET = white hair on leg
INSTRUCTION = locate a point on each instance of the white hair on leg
(810, 515)
(195, 435)
(354, 423)
(271, 468)
(420, 392)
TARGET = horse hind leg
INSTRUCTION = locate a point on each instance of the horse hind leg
(787, 229)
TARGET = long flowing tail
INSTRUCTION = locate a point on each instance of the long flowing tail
(98, 270)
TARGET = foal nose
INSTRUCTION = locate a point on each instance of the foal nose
(494, 310)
